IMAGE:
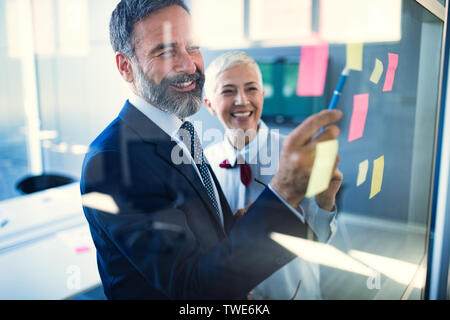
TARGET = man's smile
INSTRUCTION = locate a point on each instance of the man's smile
(184, 86)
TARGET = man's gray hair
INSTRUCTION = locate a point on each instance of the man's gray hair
(226, 61)
(126, 14)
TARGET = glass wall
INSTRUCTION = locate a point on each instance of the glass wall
(80, 90)
(61, 88)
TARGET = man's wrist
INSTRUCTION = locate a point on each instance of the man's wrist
(293, 201)
(327, 205)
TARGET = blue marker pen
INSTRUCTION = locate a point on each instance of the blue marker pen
(337, 93)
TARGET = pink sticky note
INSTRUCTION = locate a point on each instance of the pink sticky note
(358, 121)
(82, 249)
(312, 70)
(390, 73)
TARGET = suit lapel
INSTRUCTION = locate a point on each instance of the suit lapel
(167, 149)
(186, 169)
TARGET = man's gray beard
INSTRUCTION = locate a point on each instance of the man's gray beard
(182, 104)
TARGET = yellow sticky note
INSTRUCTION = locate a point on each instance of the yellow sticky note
(362, 172)
(323, 166)
(377, 71)
(377, 176)
(355, 56)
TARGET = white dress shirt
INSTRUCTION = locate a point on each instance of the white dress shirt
(170, 124)
(262, 154)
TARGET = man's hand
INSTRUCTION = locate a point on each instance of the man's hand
(298, 154)
(241, 212)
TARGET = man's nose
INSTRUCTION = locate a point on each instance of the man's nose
(185, 63)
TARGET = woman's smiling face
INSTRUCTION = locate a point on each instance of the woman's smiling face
(238, 98)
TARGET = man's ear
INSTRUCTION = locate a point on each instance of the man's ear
(125, 67)
(209, 106)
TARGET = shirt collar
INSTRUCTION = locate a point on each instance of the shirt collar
(169, 123)
(251, 149)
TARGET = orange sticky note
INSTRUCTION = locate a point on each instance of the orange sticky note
(312, 70)
(390, 73)
(359, 115)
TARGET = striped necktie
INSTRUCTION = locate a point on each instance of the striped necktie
(192, 142)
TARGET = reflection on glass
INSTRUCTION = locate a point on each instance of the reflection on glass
(280, 20)
(20, 45)
(100, 201)
(360, 21)
(74, 27)
(218, 24)
(12, 25)
(321, 253)
(44, 26)
(398, 270)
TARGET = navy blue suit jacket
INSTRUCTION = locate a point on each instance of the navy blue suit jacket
(166, 241)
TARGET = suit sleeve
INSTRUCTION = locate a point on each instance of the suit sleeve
(150, 249)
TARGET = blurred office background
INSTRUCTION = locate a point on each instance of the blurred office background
(60, 88)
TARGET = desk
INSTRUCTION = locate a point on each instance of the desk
(46, 251)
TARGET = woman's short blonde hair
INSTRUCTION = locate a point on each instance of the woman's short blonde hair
(224, 62)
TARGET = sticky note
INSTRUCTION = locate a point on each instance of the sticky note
(377, 176)
(82, 249)
(362, 172)
(77, 240)
(323, 166)
(355, 56)
(312, 70)
(390, 73)
(377, 71)
(359, 115)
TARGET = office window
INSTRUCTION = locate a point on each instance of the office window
(245, 23)
(219, 24)
(367, 21)
(280, 21)
(19, 124)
